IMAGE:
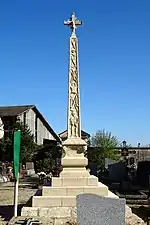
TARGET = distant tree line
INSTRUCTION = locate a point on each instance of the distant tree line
(103, 144)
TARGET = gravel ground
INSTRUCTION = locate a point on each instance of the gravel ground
(6, 200)
(7, 194)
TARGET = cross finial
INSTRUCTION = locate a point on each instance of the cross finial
(73, 22)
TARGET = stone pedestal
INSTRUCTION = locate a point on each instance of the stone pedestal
(59, 201)
(73, 180)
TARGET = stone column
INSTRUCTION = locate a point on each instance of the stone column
(74, 163)
(74, 179)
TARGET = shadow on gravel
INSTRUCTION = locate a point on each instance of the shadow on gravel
(7, 211)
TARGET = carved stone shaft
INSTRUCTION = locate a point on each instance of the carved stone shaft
(74, 130)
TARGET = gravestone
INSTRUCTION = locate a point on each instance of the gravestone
(117, 172)
(30, 168)
(97, 210)
(29, 165)
(109, 162)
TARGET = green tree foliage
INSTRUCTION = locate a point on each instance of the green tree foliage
(43, 160)
(46, 159)
(103, 144)
(28, 147)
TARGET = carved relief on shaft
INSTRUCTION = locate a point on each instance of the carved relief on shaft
(74, 107)
(74, 130)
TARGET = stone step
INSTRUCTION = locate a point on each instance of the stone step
(74, 181)
(59, 200)
(73, 191)
(49, 213)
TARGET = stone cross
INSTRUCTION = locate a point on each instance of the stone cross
(74, 130)
(73, 23)
(74, 162)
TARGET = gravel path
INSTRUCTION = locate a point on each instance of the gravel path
(7, 194)
(6, 200)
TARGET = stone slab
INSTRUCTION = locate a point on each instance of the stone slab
(97, 210)
(45, 201)
(30, 172)
(73, 191)
(30, 211)
(74, 161)
(102, 191)
(29, 165)
(74, 181)
(57, 201)
(51, 212)
(75, 173)
(55, 212)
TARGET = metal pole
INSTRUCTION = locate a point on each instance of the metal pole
(16, 197)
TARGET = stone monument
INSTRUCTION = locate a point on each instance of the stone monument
(60, 199)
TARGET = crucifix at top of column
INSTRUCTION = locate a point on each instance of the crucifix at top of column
(73, 22)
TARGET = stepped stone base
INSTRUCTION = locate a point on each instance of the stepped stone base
(44, 207)
(48, 211)
(65, 189)
(65, 200)
(59, 201)
(57, 206)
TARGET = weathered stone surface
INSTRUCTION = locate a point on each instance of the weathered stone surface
(94, 209)
(52, 212)
(61, 221)
(43, 220)
(29, 211)
(134, 220)
(59, 212)
(128, 212)
(43, 212)
(74, 212)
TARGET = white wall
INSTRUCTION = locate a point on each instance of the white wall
(30, 120)
(42, 131)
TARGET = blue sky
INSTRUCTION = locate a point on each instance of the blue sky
(114, 55)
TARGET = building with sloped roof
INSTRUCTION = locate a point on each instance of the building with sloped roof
(28, 115)
(84, 135)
